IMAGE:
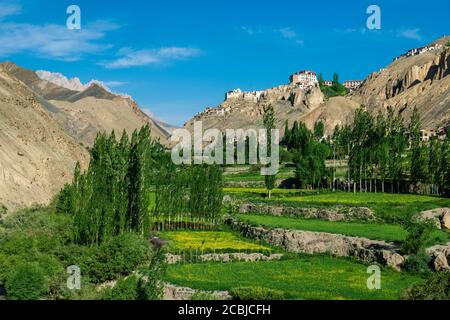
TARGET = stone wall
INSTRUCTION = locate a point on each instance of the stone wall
(337, 213)
(173, 292)
(226, 257)
(363, 249)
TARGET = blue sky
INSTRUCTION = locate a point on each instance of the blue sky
(177, 57)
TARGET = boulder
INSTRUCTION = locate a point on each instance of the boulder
(445, 221)
(441, 263)
(439, 216)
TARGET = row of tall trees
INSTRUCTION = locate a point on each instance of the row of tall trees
(129, 180)
(309, 152)
(189, 190)
(382, 149)
(112, 196)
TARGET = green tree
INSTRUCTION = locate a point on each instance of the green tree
(269, 122)
(28, 282)
(319, 130)
(418, 159)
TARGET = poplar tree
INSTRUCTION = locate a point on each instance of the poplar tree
(269, 124)
(418, 160)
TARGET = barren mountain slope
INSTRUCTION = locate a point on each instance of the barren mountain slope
(422, 80)
(83, 114)
(289, 102)
(84, 118)
(36, 156)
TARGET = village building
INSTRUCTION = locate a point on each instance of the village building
(305, 78)
(352, 84)
(421, 50)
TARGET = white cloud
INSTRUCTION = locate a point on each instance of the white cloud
(410, 34)
(53, 41)
(9, 9)
(128, 57)
(288, 33)
(251, 31)
(248, 30)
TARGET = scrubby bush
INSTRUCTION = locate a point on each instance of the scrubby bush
(150, 287)
(255, 293)
(28, 282)
(286, 156)
(417, 263)
(435, 287)
(419, 234)
(125, 289)
(116, 257)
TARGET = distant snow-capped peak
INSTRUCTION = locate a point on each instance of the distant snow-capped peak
(74, 84)
(60, 80)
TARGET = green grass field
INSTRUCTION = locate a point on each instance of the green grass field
(309, 277)
(365, 198)
(390, 207)
(387, 232)
(210, 241)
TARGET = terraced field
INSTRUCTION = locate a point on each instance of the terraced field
(388, 232)
(210, 241)
(308, 277)
(393, 208)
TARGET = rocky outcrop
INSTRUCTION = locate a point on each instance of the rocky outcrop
(226, 257)
(441, 257)
(36, 156)
(419, 81)
(439, 216)
(363, 249)
(290, 102)
(173, 292)
(332, 214)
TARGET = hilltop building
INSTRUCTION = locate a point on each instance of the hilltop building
(421, 50)
(305, 78)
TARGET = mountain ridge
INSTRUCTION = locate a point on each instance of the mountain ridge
(419, 80)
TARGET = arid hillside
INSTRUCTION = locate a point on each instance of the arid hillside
(421, 80)
(83, 114)
(290, 103)
(45, 129)
(36, 156)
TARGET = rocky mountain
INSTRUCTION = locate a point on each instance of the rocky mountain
(59, 79)
(45, 129)
(74, 84)
(82, 114)
(36, 156)
(419, 78)
(291, 102)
